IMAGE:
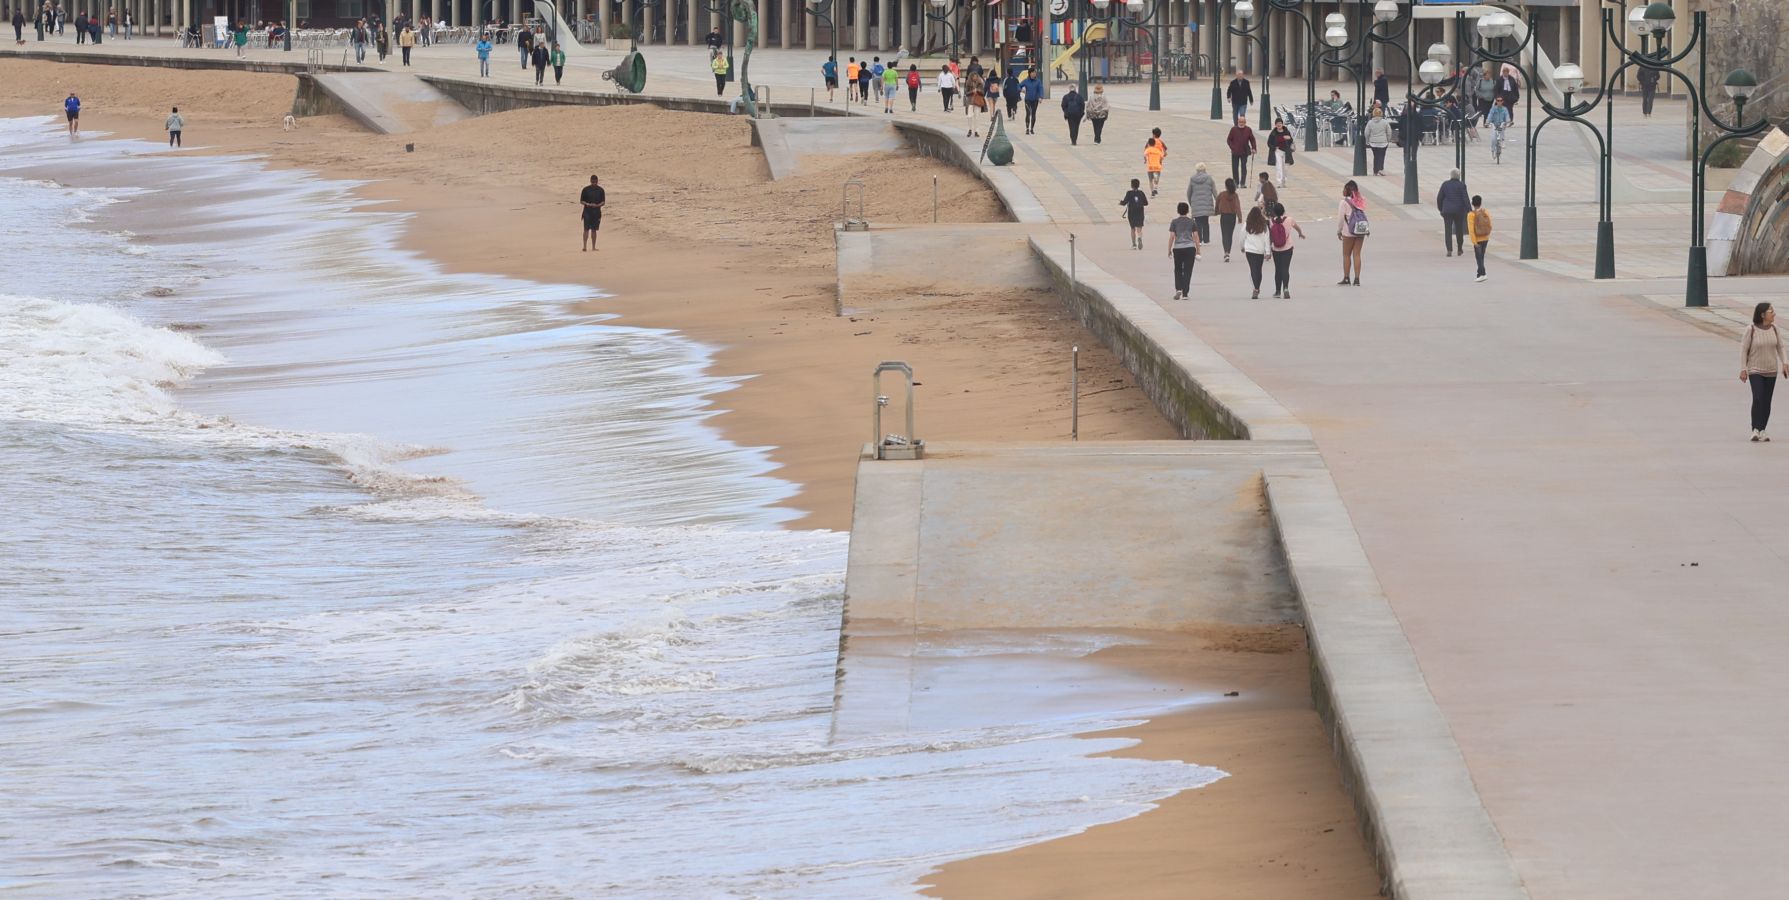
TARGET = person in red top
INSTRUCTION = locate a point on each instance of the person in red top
(1242, 146)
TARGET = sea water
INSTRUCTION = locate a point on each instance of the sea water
(324, 572)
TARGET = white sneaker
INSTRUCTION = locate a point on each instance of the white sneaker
(1479, 278)
(1757, 435)
(1764, 437)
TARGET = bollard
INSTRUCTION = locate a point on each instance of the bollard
(1074, 394)
(934, 199)
(812, 112)
(1072, 281)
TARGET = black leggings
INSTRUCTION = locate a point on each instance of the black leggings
(174, 138)
(1282, 270)
(1099, 125)
(1255, 261)
(1030, 114)
(913, 97)
(1227, 224)
(1762, 387)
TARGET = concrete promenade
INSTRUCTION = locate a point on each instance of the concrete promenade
(1549, 474)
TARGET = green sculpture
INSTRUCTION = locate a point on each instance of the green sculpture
(1000, 147)
(746, 11)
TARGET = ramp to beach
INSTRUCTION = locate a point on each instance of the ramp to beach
(391, 102)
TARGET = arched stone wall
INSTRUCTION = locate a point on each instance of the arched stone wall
(1749, 234)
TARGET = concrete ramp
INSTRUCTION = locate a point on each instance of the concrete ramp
(893, 267)
(787, 139)
(391, 102)
(1158, 535)
(564, 33)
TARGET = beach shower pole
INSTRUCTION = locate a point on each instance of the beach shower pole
(812, 93)
(1071, 260)
(1074, 394)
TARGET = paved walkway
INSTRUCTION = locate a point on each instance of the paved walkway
(1549, 475)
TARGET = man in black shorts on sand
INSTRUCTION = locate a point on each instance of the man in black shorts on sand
(592, 198)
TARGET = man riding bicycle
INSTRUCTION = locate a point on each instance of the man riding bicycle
(1498, 118)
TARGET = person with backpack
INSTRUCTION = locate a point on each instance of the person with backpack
(891, 85)
(1074, 108)
(1478, 227)
(1098, 110)
(1453, 201)
(829, 73)
(865, 73)
(1133, 204)
(1010, 93)
(1266, 195)
(1351, 229)
(914, 80)
(1280, 228)
(1202, 200)
(1229, 207)
(1183, 248)
(1255, 246)
(1761, 357)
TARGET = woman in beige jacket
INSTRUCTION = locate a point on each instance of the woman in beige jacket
(1761, 357)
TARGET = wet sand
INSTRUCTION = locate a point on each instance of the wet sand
(697, 239)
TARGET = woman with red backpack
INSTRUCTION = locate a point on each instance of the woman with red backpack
(913, 81)
(1279, 234)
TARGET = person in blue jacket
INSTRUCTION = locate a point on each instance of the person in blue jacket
(72, 106)
(1033, 87)
(829, 70)
(484, 55)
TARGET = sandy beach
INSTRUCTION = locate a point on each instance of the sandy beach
(690, 212)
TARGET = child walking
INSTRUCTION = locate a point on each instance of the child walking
(1478, 228)
(1133, 204)
(1153, 154)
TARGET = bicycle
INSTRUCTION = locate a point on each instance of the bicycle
(1497, 143)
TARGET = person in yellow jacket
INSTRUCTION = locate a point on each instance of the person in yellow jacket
(406, 40)
(718, 63)
(1478, 229)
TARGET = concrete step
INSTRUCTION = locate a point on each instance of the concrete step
(391, 102)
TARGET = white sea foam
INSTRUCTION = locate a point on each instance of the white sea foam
(371, 580)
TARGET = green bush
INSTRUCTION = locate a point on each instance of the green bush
(620, 31)
(1730, 155)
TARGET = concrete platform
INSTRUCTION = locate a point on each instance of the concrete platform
(786, 141)
(895, 266)
(391, 102)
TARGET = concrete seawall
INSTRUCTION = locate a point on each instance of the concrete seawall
(483, 98)
(1418, 806)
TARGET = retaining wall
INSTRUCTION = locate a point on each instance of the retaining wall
(483, 98)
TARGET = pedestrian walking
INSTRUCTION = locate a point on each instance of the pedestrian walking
(539, 56)
(1280, 228)
(1098, 110)
(592, 199)
(1241, 94)
(382, 41)
(1242, 146)
(864, 75)
(1266, 195)
(1074, 108)
(717, 66)
(72, 108)
(1378, 138)
(947, 87)
(713, 39)
(1153, 154)
(1381, 89)
(1255, 247)
(557, 60)
(852, 67)
(18, 27)
(524, 46)
(1133, 204)
(891, 85)
(1033, 87)
(1487, 91)
(174, 125)
(1229, 207)
(483, 47)
(1508, 86)
(359, 37)
(1010, 92)
(1279, 150)
(914, 80)
(80, 28)
(1453, 201)
(1202, 200)
(829, 73)
(1352, 229)
(1478, 227)
(974, 101)
(1649, 88)
(1183, 248)
(1761, 357)
(406, 42)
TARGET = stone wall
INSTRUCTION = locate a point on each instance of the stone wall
(1750, 35)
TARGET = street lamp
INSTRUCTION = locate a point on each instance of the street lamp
(1259, 33)
(1135, 21)
(822, 12)
(946, 18)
